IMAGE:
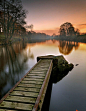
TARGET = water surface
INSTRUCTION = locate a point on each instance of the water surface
(69, 93)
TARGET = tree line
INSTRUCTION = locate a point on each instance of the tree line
(12, 21)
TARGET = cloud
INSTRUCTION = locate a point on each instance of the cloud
(82, 24)
(81, 27)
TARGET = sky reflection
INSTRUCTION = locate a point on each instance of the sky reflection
(24, 55)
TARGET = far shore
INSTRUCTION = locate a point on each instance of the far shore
(80, 38)
(34, 39)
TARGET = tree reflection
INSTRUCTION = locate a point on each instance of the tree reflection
(65, 47)
(13, 63)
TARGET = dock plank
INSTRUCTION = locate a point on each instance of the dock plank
(21, 99)
(38, 72)
(32, 82)
(7, 110)
(24, 96)
(27, 89)
(35, 77)
(31, 79)
(21, 93)
(30, 85)
(15, 105)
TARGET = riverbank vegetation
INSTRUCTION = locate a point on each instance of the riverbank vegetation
(13, 26)
(12, 19)
(38, 37)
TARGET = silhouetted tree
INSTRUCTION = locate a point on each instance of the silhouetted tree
(66, 29)
(77, 32)
(12, 16)
(71, 31)
(62, 32)
(30, 27)
(54, 35)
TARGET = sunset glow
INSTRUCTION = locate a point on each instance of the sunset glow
(48, 15)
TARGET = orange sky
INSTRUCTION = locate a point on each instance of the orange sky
(48, 15)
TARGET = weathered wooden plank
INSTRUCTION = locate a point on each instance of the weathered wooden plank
(40, 70)
(46, 64)
(21, 93)
(45, 60)
(43, 66)
(21, 99)
(42, 92)
(30, 85)
(39, 65)
(43, 63)
(7, 110)
(27, 89)
(24, 95)
(31, 79)
(36, 74)
(15, 105)
(32, 82)
(35, 77)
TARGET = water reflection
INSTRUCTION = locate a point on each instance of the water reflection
(14, 59)
(17, 59)
(65, 47)
(58, 73)
(13, 64)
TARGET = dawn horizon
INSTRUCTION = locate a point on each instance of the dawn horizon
(48, 16)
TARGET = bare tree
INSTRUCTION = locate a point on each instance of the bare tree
(30, 27)
(12, 15)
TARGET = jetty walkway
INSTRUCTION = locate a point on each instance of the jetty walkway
(28, 94)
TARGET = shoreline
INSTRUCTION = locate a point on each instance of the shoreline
(80, 39)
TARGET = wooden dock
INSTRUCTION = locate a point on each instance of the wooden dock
(28, 94)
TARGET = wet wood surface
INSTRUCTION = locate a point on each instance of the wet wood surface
(24, 95)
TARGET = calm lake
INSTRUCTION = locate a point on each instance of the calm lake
(69, 94)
